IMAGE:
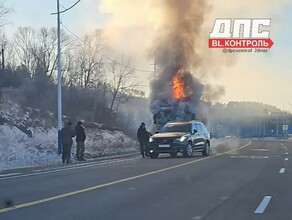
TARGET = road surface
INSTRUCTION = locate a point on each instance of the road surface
(251, 180)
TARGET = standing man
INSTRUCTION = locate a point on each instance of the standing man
(143, 137)
(67, 133)
(80, 138)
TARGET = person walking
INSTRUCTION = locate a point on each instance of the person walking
(80, 138)
(143, 138)
(67, 133)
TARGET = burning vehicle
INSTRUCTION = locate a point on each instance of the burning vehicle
(175, 96)
(176, 105)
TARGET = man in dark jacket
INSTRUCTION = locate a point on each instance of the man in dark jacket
(143, 137)
(67, 133)
(80, 138)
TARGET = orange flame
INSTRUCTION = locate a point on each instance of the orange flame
(178, 84)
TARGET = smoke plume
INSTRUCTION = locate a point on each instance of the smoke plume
(175, 53)
(176, 32)
(176, 41)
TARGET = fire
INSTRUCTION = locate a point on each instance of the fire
(178, 84)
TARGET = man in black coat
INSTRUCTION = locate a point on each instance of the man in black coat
(80, 138)
(67, 133)
(143, 138)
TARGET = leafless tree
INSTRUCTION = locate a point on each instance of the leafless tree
(47, 46)
(8, 52)
(89, 60)
(4, 12)
(25, 46)
(39, 48)
(122, 82)
(47, 50)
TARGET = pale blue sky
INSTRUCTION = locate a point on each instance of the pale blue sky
(37, 13)
(256, 77)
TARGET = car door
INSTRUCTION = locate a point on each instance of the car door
(195, 136)
(206, 134)
(198, 137)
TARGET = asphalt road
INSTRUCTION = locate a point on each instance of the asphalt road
(252, 181)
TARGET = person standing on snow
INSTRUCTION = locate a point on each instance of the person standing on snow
(80, 138)
(67, 133)
(143, 138)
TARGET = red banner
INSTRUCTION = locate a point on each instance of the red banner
(241, 43)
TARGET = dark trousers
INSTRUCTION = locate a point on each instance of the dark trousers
(80, 149)
(144, 148)
(66, 152)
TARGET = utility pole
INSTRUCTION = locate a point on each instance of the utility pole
(59, 81)
(2, 73)
(3, 57)
(59, 66)
(2, 69)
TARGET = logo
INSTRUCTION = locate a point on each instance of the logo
(243, 33)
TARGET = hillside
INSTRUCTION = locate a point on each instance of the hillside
(28, 137)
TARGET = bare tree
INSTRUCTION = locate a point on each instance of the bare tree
(70, 74)
(122, 82)
(89, 60)
(47, 45)
(39, 48)
(47, 49)
(4, 12)
(25, 46)
(7, 55)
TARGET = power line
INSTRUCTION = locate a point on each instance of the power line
(65, 9)
(105, 56)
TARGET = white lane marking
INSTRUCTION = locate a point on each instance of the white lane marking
(282, 170)
(263, 205)
(249, 157)
(260, 149)
(259, 157)
(89, 164)
(65, 169)
(197, 218)
(286, 158)
(8, 174)
(286, 153)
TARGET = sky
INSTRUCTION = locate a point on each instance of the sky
(130, 28)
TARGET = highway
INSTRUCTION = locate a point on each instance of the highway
(250, 181)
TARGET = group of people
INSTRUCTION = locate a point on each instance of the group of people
(67, 134)
(143, 137)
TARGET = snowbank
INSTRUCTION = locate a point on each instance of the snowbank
(28, 138)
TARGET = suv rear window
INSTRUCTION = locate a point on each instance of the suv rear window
(204, 128)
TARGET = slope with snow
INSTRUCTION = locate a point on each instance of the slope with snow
(28, 137)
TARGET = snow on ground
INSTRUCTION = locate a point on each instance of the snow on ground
(28, 138)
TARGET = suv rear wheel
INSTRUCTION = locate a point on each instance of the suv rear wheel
(206, 150)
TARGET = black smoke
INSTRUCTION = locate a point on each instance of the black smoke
(175, 49)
